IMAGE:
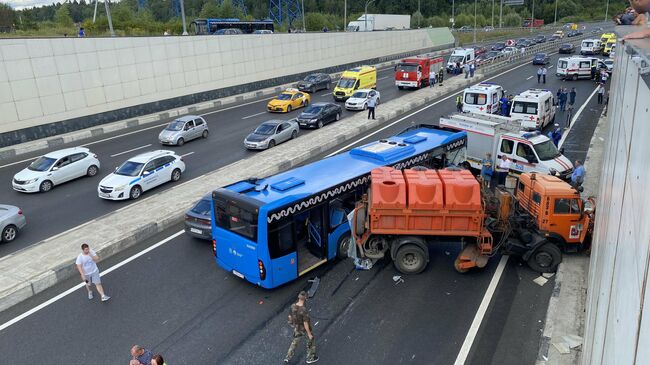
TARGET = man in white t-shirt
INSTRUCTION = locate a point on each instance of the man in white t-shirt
(87, 266)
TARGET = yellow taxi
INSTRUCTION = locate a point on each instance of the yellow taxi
(288, 100)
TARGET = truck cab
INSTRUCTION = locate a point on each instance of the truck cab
(482, 98)
(534, 152)
(413, 72)
(460, 56)
(561, 216)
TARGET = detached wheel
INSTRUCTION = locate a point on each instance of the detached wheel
(92, 170)
(410, 259)
(9, 233)
(176, 175)
(135, 192)
(546, 258)
(343, 246)
(46, 186)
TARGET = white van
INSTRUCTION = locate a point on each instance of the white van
(462, 56)
(535, 105)
(591, 46)
(482, 98)
(575, 67)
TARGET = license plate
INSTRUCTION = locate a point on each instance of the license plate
(197, 231)
(303, 123)
(237, 274)
(104, 195)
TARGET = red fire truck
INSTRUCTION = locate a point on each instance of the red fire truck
(413, 72)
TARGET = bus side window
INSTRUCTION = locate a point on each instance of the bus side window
(281, 238)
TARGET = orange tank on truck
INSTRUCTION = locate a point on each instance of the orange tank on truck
(414, 72)
(405, 211)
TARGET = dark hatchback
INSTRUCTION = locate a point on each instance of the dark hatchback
(567, 48)
(315, 82)
(319, 114)
(540, 38)
(541, 59)
(498, 46)
(198, 220)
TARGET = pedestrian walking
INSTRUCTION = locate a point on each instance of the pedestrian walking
(459, 103)
(578, 175)
(432, 77)
(372, 104)
(87, 266)
(441, 75)
(539, 74)
(601, 93)
(466, 67)
(472, 69)
(572, 96)
(544, 70)
(157, 360)
(300, 321)
(140, 356)
(502, 170)
(486, 170)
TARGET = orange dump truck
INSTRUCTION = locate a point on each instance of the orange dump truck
(406, 210)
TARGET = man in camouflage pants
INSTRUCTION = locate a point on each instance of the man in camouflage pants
(300, 322)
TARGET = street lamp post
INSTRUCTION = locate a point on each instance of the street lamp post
(419, 12)
(532, 21)
(555, 18)
(606, 10)
(345, 15)
(453, 15)
(492, 14)
(110, 19)
(475, 21)
(183, 16)
(365, 14)
(304, 29)
(501, 15)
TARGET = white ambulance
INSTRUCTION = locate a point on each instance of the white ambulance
(460, 56)
(591, 46)
(482, 98)
(534, 105)
(576, 67)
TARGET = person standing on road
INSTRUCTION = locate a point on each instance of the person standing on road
(504, 105)
(432, 77)
(593, 72)
(502, 170)
(539, 74)
(140, 356)
(466, 67)
(601, 93)
(544, 70)
(372, 104)
(556, 135)
(510, 99)
(300, 322)
(87, 266)
(472, 69)
(459, 103)
(578, 175)
(441, 75)
(572, 96)
(487, 170)
(563, 99)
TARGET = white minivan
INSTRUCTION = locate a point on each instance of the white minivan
(576, 67)
(460, 56)
(482, 98)
(591, 47)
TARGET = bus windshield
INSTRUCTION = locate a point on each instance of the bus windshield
(238, 217)
(346, 83)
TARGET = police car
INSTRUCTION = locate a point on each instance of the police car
(482, 98)
(535, 105)
(141, 173)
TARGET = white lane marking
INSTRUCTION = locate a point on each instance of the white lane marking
(529, 78)
(81, 285)
(187, 154)
(131, 150)
(575, 118)
(415, 112)
(253, 115)
(381, 78)
(326, 94)
(482, 309)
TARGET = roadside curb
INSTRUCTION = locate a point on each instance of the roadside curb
(571, 278)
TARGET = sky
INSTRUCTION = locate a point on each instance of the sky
(21, 4)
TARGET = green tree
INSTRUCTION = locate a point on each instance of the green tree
(464, 19)
(62, 16)
(315, 21)
(210, 10)
(438, 21)
(512, 20)
(7, 17)
(417, 20)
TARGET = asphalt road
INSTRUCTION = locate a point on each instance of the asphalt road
(175, 300)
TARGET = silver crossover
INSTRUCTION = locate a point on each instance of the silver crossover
(184, 129)
(12, 220)
(271, 133)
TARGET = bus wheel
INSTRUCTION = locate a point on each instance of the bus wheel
(343, 246)
(410, 259)
(546, 258)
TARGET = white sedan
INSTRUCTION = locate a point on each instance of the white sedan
(359, 100)
(141, 173)
(56, 168)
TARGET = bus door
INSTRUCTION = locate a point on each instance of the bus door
(311, 238)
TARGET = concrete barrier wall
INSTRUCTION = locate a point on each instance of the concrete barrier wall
(89, 81)
(617, 328)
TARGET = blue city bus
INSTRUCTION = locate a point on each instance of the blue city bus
(273, 230)
(212, 25)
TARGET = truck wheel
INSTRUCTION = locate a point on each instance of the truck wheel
(342, 247)
(410, 259)
(575, 77)
(458, 268)
(546, 258)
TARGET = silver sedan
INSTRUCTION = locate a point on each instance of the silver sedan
(184, 129)
(12, 221)
(271, 133)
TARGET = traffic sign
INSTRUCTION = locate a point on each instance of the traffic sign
(513, 2)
